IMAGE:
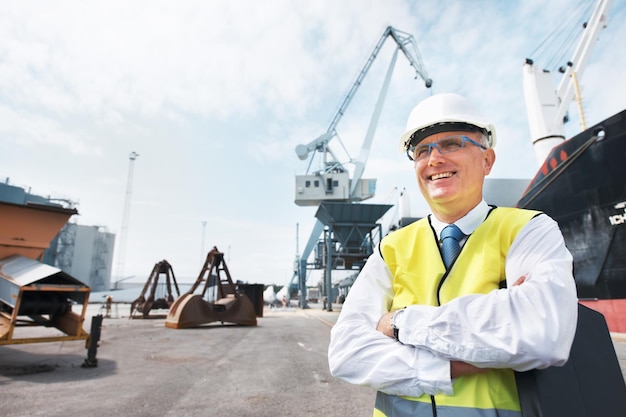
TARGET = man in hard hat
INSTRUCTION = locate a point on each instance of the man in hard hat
(437, 328)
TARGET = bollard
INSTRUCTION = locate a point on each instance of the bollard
(92, 342)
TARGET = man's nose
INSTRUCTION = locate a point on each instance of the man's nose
(434, 153)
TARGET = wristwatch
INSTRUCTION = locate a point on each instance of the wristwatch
(394, 324)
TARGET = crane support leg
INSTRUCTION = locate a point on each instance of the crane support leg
(318, 228)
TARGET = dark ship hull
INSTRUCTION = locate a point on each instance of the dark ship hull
(582, 185)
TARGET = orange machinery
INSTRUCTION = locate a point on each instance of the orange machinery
(33, 293)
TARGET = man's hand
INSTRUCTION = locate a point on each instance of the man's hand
(458, 369)
(520, 280)
(384, 324)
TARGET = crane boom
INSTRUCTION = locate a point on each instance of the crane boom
(402, 39)
(359, 162)
(406, 43)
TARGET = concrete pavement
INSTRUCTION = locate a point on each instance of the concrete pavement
(278, 368)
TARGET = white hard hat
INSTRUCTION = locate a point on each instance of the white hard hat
(444, 112)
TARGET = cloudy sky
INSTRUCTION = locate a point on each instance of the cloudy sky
(214, 96)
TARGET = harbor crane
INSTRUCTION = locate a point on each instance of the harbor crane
(332, 183)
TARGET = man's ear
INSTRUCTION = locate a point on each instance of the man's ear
(489, 158)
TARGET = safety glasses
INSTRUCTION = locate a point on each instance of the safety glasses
(446, 145)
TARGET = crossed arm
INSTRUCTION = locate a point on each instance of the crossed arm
(457, 368)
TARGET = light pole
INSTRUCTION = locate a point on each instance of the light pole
(121, 253)
(202, 254)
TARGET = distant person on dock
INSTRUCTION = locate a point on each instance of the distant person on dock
(109, 304)
(445, 309)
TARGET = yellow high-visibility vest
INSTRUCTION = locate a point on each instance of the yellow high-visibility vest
(413, 256)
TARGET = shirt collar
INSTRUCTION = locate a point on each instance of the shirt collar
(468, 223)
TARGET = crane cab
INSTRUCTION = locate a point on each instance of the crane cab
(312, 189)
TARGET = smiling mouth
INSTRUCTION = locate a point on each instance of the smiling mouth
(441, 175)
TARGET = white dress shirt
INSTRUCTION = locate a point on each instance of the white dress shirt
(522, 327)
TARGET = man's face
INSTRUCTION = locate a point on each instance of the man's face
(452, 183)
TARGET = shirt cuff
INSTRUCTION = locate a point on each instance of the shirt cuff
(433, 373)
(411, 324)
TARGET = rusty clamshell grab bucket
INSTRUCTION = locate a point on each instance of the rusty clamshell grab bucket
(219, 300)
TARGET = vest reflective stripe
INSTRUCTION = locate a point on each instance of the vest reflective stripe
(392, 406)
(419, 282)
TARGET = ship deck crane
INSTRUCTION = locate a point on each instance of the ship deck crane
(333, 182)
(546, 107)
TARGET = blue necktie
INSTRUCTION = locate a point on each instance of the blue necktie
(451, 235)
